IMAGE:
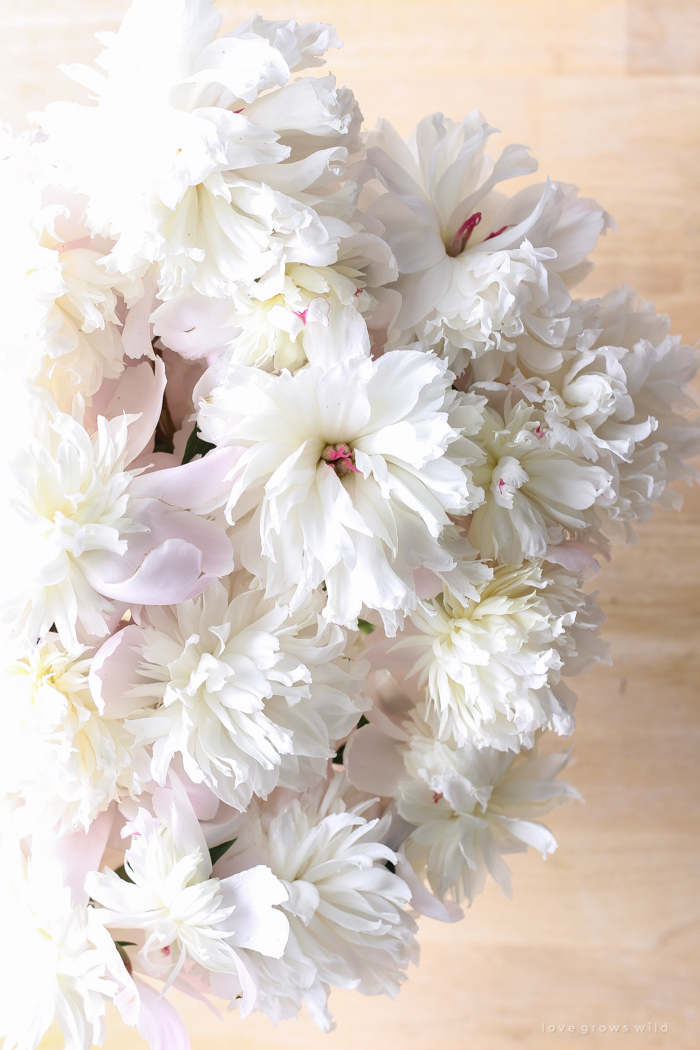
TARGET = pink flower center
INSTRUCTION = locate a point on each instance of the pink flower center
(437, 795)
(460, 239)
(340, 458)
(165, 951)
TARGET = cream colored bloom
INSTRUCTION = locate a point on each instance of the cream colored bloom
(59, 307)
(491, 667)
(248, 693)
(57, 963)
(91, 533)
(201, 192)
(60, 753)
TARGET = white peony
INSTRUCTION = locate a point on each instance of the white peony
(477, 268)
(61, 328)
(350, 469)
(491, 667)
(248, 693)
(90, 532)
(201, 191)
(535, 487)
(187, 917)
(265, 325)
(348, 926)
(57, 960)
(469, 806)
(59, 752)
(617, 394)
(458, 808)
(658, 369)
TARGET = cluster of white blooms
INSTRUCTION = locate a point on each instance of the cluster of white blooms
(309, 455)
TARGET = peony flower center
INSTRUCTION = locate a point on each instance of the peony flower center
(459, 242)
(341, 458)
(506, 479)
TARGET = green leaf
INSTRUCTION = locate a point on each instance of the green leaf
(366, 627)
(217, 852)
(196, 446)
(121, 872)
(125, 944)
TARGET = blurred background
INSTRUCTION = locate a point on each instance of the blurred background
(607, 94)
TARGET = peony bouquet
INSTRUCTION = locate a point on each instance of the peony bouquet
(309, 453)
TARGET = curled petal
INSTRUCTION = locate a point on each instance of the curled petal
(169, 574)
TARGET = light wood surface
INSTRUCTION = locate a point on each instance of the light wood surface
(606, 931)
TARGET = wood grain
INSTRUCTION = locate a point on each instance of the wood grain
(606, 932)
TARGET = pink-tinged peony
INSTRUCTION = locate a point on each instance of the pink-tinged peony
(265, 325)
(94, 536)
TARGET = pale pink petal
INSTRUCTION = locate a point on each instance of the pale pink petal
(150, 461)
(169, 523)
(427, 583)
(72, 856)
(194, 484)
(169, 574)
(576, 556)
(196, 986)
(136, 333)
(139, 391)
(374, 762)
(195, 546)
(203, 800)
(114, 671)
(159, 1023)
